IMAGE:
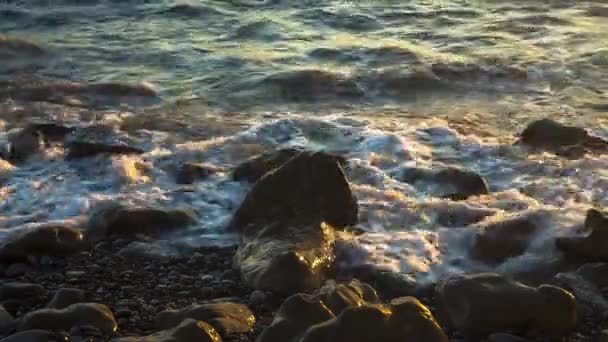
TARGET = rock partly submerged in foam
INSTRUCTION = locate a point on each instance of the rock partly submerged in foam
(286, 223)
(113, 218)
(550, 135)
(481, 304)
(453, 183)
(510, 237)
(591, 247)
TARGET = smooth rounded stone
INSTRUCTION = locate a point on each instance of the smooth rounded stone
(93, 314)
(285, 260)
(297, 313)
(156, 250)
(547, 134)
(454, 183)
(253, 169)
(7, 321)
(338, 297)
(51, 131)
(20, 291)
(113, 218)
(591, 247)
(498, 241)
(309, 188)
(40, 240)
(191, 172)
(65, 297)
(226, 318)
(405, 319)
(482, 304)
(31, 336)
(188, 330)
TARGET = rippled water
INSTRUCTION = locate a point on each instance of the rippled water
(389, 84)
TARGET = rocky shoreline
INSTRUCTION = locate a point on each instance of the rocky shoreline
(292, 278)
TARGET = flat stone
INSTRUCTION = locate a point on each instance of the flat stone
(189, 330)
(96, 315)
(226, 318)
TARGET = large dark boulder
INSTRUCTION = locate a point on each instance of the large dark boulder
(287, 220)
(309, 189)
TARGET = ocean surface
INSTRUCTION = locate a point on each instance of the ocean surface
(388, 84)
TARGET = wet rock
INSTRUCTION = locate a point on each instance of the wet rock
(7, 322)
(285, 259)
(307, 85)
(24, 144)
(113, 218)
(51, 131)
(318, 192)
(295, 316)
(453, 183)
(20, 291)
(481, 304)
(65, 297)
(71, 93)
(40, 240)
(187, 331)
(303, 319)
(226, 318)
(591, 247)
(337, 297)
(93, 314)
(13, 47)
(500, 240)
(85, 149)
(191, 172)
(550, 135)
(256, 167)
(31, 336)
